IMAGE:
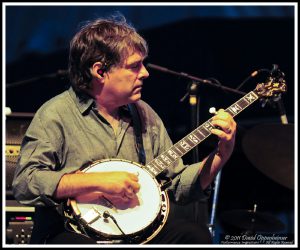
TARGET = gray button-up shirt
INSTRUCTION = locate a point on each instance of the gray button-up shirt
(67, 133)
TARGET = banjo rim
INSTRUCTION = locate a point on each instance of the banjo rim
(160, 217)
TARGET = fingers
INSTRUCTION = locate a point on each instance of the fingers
(225, 125)
(129, 193)
(132, 186)
(120, 183)
(133, 177)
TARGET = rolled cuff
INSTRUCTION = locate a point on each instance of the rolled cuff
(46, 184)
(186, 186)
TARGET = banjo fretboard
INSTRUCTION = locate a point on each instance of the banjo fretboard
(157, 165)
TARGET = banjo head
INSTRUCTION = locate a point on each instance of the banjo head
(148, 206)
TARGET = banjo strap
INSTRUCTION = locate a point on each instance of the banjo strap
(137, 127)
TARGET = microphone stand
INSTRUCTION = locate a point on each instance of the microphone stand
(59, 73)
(194, 105)
(278, 99)
(195, 79)
(282, 112)
(194, 112)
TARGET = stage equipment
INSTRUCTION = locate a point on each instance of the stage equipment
(270, 148)
(19, 218)
(251, 221)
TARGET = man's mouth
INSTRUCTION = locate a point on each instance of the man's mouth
(138, 87)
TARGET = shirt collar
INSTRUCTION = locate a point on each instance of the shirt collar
(124, 110)
(83, 101)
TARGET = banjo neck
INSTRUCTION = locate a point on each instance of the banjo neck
(171, 155)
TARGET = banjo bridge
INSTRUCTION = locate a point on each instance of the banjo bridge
(91, 216)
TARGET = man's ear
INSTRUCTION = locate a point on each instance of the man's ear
(98, 70)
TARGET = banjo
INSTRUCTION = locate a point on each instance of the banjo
(110, 220)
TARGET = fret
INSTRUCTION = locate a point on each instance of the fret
(230, 112)
(155, 165)
(208, 126)
(173, 154)
(152, 169)
(193, 138)
(177, 150)
(250, 97)
(200, 134)
(166, 159)
(185, 145)
(159, 163)
(189, 142)
(243, 102)
(234, 109)
(204, 132)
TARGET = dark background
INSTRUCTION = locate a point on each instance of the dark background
(227, 43)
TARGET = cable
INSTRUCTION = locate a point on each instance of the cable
(106, 214)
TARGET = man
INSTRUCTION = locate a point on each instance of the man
(91, 121)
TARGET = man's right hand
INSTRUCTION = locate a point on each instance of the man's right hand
(120, 183)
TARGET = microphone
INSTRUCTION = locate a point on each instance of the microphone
(253, 74)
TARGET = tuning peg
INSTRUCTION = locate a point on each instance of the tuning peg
(8, 111)
(212, 110)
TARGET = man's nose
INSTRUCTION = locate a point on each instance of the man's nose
(144, 72)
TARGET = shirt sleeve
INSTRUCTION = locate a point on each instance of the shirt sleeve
(38, 170)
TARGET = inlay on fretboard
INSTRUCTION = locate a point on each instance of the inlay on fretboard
(157, 165)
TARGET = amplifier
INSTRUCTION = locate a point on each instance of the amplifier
(19, 230)
(16, 126)
(19, 223)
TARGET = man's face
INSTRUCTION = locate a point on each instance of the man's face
(123, 83)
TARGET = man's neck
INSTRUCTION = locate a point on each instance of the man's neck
(111, 115)
(112, 112)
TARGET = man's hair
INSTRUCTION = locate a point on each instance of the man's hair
(109, 41)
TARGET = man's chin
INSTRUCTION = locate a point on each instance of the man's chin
(136, 97)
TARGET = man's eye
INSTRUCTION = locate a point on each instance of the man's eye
(135, 66)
